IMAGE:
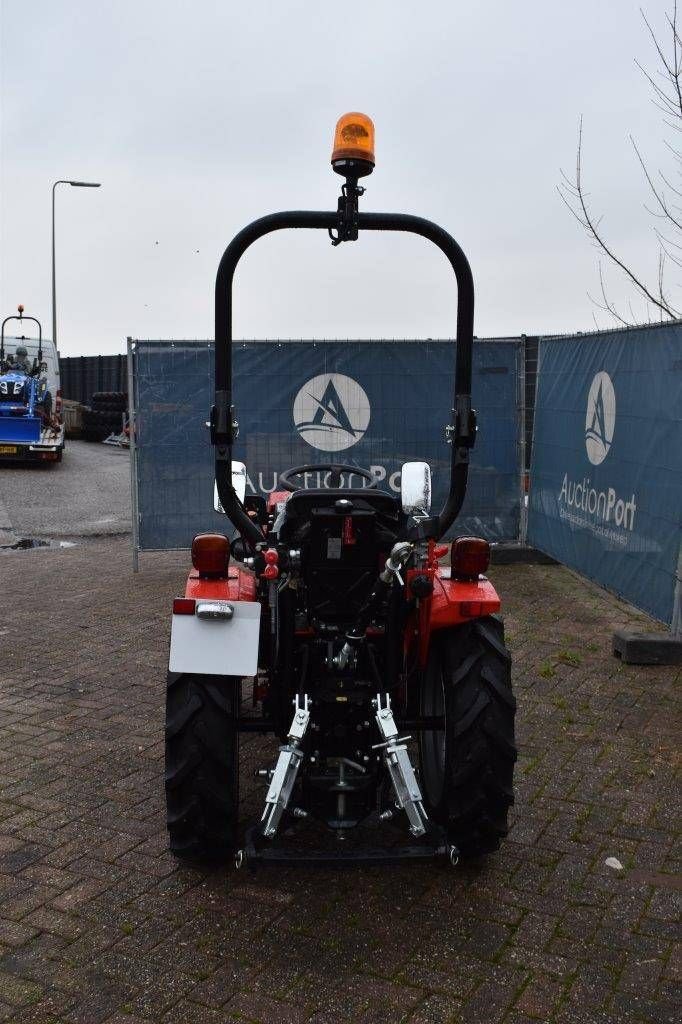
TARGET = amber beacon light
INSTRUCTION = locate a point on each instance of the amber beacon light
(353, 154)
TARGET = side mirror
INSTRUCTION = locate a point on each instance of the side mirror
(415, 487)
(238, 482)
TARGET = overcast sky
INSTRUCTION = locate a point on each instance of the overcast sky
(199, 116)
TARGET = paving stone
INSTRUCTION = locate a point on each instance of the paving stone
(54, 921)
(17, 991)
(540, 997)
(221, 984)
(435, 1009)
(14, 934)
(263, 1009)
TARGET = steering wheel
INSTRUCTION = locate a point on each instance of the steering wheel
(334, 468)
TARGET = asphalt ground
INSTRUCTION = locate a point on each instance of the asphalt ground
(99, 923)
(87, 494)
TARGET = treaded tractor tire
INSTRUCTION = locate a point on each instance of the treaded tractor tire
(468, 770)
(113, 408)
(90, 433)
(97, 417)
(119, 398)
(202, 771)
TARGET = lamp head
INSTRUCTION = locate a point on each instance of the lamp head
(353, 153)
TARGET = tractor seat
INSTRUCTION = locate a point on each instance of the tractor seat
(301, 503)
(304, 505)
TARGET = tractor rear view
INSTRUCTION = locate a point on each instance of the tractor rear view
(335, 601)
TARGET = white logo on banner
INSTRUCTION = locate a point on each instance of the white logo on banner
(331, 412)
(605, 513)
(600, 419)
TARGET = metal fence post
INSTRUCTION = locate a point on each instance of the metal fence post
(133, 456)
(676, 622)
(523, 511)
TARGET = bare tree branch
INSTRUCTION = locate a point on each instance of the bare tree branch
(658, 196)
(666, 86)
(585, 218)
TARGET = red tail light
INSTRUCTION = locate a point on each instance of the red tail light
(184, 606)
(211, 554)
(470, 556)
(58, 402)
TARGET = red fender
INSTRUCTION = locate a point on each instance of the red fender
(452, 603)
(240, 585)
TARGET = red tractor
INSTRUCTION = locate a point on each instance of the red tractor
(335, 601)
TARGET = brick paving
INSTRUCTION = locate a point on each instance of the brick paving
(98, 923)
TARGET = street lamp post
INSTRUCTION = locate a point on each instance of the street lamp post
(76, 184)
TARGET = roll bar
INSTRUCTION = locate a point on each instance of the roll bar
(22, 318)
(462, 430)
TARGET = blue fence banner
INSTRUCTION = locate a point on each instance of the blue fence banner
(369, 404)
(606, 470)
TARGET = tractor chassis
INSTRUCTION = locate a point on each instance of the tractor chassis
(260, 845)
(258, 851)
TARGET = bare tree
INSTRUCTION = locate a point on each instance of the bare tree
(665, 197)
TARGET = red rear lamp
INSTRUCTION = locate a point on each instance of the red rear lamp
(184, 606)
(211, 554)
(271, 556)
(469, 557)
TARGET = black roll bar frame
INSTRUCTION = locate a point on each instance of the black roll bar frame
(22, 318)
(462, 431)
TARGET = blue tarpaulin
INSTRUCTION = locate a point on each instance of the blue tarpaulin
(606, 472)
(368, 404)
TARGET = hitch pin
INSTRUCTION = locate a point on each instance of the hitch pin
(398, 739)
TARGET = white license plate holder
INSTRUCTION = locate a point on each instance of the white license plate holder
(217, 647)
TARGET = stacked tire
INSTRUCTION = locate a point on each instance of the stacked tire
(105, 415)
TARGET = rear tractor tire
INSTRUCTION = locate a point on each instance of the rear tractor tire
(467, 769)
(202, 770)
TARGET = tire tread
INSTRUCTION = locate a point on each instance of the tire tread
(480, 749)
(201, 777)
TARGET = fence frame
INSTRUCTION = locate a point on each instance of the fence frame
(602, 335)
(518, 340)
(134, 493)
